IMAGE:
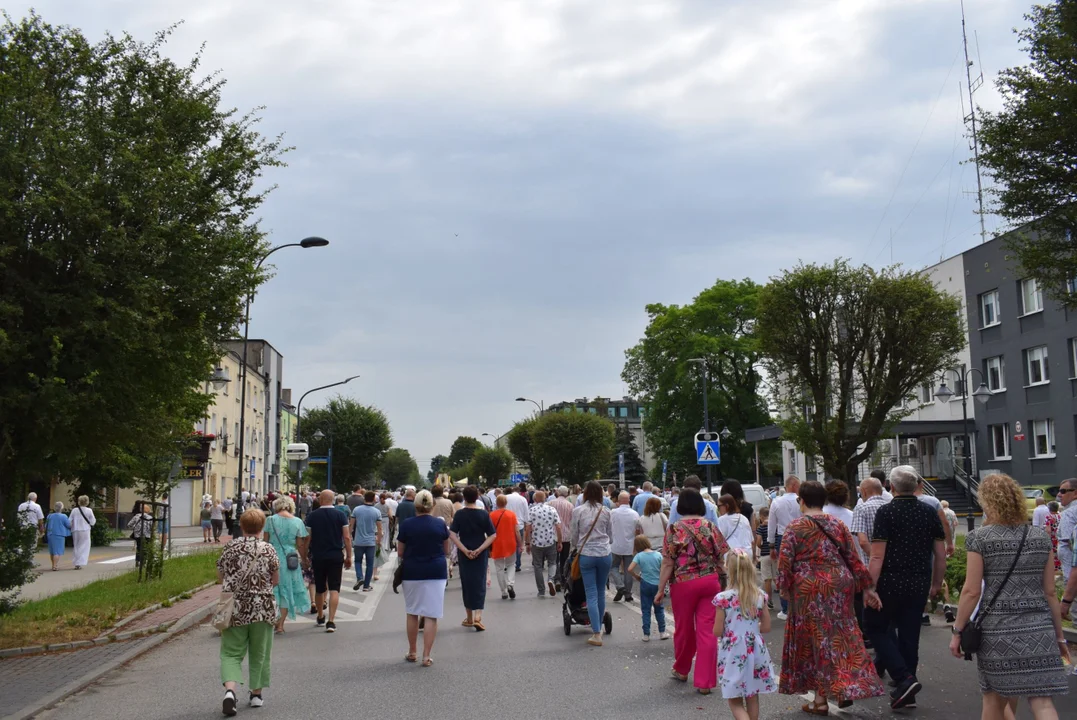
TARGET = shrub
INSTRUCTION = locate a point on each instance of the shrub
(17, 544)
(101, 534)
(956, 567)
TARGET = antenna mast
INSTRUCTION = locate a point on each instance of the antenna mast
(974, 84)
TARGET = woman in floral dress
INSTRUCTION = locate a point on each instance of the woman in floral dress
(824, 650)
(1050, 523)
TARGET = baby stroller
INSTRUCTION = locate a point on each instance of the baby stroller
(574, 607)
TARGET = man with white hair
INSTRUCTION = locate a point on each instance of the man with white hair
(640, 501)
(623, 522)
(517, 503)
(30, 513)
(783, 510)
(563, 506)
(1039, 515)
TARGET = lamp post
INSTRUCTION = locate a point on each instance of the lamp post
(304, 243)
(541, 407)
(706, 414)
(319, 435)
(299, 415)
(982, 395)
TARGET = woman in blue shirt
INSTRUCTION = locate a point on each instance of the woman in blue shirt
(57, 530)
(423, 544)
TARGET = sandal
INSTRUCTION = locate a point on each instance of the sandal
(813, 709)
(427, 662)
(411, 657)
(479, 627)
(467, 624)
(703, 691)
(678, 676)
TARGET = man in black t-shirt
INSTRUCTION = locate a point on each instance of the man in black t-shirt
(330, 551)
(908, 562)
(355, 499)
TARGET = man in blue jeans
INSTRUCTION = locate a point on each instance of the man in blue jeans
(366, 531)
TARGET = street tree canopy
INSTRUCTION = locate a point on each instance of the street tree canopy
(719, 326)
(849, 346)
(128, 239)
(437, 463)
(521, 445)
(359, 435)
(463, 449)
(575, 446)
(492, 464)
(623, 442)
(1030, 149)
(398, 468)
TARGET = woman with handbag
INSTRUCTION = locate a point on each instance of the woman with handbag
(82, 519)
(1019, 623)
(691, 569)
(288, 536)
(589, 535)
(250, 570)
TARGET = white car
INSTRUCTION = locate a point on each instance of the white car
(753, 493)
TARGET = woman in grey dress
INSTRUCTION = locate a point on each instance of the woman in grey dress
(1023, 646)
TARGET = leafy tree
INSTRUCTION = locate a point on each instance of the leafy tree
(359, 435)
(398, 468)
(719, 326)
(623, 442)
(17, 546)
(128, 239)
(851, 344)
(575, 446)
(463, 449)
(491, 464)
(1030, 149)
(521, 445)
(435, 467)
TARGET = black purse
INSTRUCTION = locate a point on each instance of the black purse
(972, 634)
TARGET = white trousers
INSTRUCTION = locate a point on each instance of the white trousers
(505, 570)
(81, 540)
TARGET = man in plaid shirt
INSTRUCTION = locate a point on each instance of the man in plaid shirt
(871, 492)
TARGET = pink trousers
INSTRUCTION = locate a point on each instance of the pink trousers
(693, 637)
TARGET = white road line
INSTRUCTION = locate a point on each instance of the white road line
(367, 606)
(117, 561)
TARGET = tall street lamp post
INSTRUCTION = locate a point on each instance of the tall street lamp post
(982, 395)
(541, 407)
(706, 414)
(299, 414)
(319, 435)
(304, 243)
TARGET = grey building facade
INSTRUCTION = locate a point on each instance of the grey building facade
(1023, 344)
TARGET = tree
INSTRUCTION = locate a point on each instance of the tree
(850, 346)
(398, 468)
(1029, 148)
(435, 467)
(359, 435)
(128, 240)
(575, 446)
(491, 464)
(463, 449)
(623, 442)
(719, 326)
(521, 445)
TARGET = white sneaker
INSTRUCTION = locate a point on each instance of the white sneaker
(664, 636)
(646, 638)
(256, 701)
(783, 616)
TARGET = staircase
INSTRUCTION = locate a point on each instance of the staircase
(953, 493)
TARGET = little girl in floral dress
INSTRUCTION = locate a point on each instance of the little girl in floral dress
(744, 668)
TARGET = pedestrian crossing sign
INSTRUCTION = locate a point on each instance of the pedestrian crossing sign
(708, 448)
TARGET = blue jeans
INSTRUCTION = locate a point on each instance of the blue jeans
(595, 570)
(646, 604)
(776, 553)
(367, 552)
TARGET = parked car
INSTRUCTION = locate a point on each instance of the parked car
(753, 493)
(1033, 493)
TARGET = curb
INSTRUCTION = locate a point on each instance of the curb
(146, 611)
(187, 621)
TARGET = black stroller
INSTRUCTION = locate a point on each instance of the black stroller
(574, 607)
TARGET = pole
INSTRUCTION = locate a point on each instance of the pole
(329, 464)
(243, 391)
(299, 416)
(707, 426)
(968, 451)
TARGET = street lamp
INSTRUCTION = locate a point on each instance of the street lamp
(541, 407)
(304, 243)
(706, 415)
(982, 395)
(319, 435)
(491, 435)
(299, 416)
(219, 378)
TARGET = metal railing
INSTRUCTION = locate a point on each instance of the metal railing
(970, 483)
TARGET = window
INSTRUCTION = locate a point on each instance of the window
(642, 413)
(989, 309)
(792, 461)
(1073, 357)
(926, 396)
(1000, 441)
(1031, 296)
(592, 411)
(1043, 438)
(622, 412)
(612, 412)
(995, 373)
(1036, 365)
(958, 382)
(1071, 285)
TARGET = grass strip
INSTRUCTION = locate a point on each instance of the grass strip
(85, 613)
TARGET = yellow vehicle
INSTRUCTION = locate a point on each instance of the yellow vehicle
(1047, 492)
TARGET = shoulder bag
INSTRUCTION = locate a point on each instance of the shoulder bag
(226, 603)
(972, 633)
(574, 571)
(837, 545)
(83, 514)
(291, 560)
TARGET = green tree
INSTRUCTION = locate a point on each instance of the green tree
(435, 467)
(491, 464)
(398, 468)
(623, 442)
(575, 446)
(718, 326)
(851, 345)
(521, 445)
(359, 435)
(463, 449)
(128, 239)
(1030, 149)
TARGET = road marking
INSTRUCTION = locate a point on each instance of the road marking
(357, 606)
(116, 561)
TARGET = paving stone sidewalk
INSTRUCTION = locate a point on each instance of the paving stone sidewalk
(202, 598)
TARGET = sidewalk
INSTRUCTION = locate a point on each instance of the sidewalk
(34, 682)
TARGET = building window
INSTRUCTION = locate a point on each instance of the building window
(1071, 285)
(1036, 366)
(592, 411)
(622, 412)
(1000, 441)
(995, 373)
(1043, 438)
(1031, 296)
(1073, 357)
(958, 385)
(927, 394)
(792, 461)
(642, 412)
(989, 309)
(612, 412)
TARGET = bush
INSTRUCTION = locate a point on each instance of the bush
(17, 545)
(101, 534)
(956, 567)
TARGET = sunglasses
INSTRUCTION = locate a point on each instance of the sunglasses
(1066, 490)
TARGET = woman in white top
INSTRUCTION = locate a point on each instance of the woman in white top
(653, 523)
(735, 528)
(82, 519)
(837, 495)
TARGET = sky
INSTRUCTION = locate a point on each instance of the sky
(506, 184)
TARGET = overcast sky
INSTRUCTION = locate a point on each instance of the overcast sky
(507, 183)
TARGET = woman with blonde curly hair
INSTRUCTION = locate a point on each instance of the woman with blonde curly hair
(1021, 619)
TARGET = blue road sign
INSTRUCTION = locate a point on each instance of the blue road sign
(708, 448)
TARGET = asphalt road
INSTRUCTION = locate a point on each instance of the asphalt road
(523, 668)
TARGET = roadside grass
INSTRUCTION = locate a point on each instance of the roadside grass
(87, 612)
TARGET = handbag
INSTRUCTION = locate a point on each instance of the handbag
(972, 634)
(291, 560)
(575, 571)
(226, 603)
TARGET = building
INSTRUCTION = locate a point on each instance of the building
(625, 411)
(289, 423)
(262, 447)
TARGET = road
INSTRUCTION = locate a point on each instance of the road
(523, 668)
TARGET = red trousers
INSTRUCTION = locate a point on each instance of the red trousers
(693, 637)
